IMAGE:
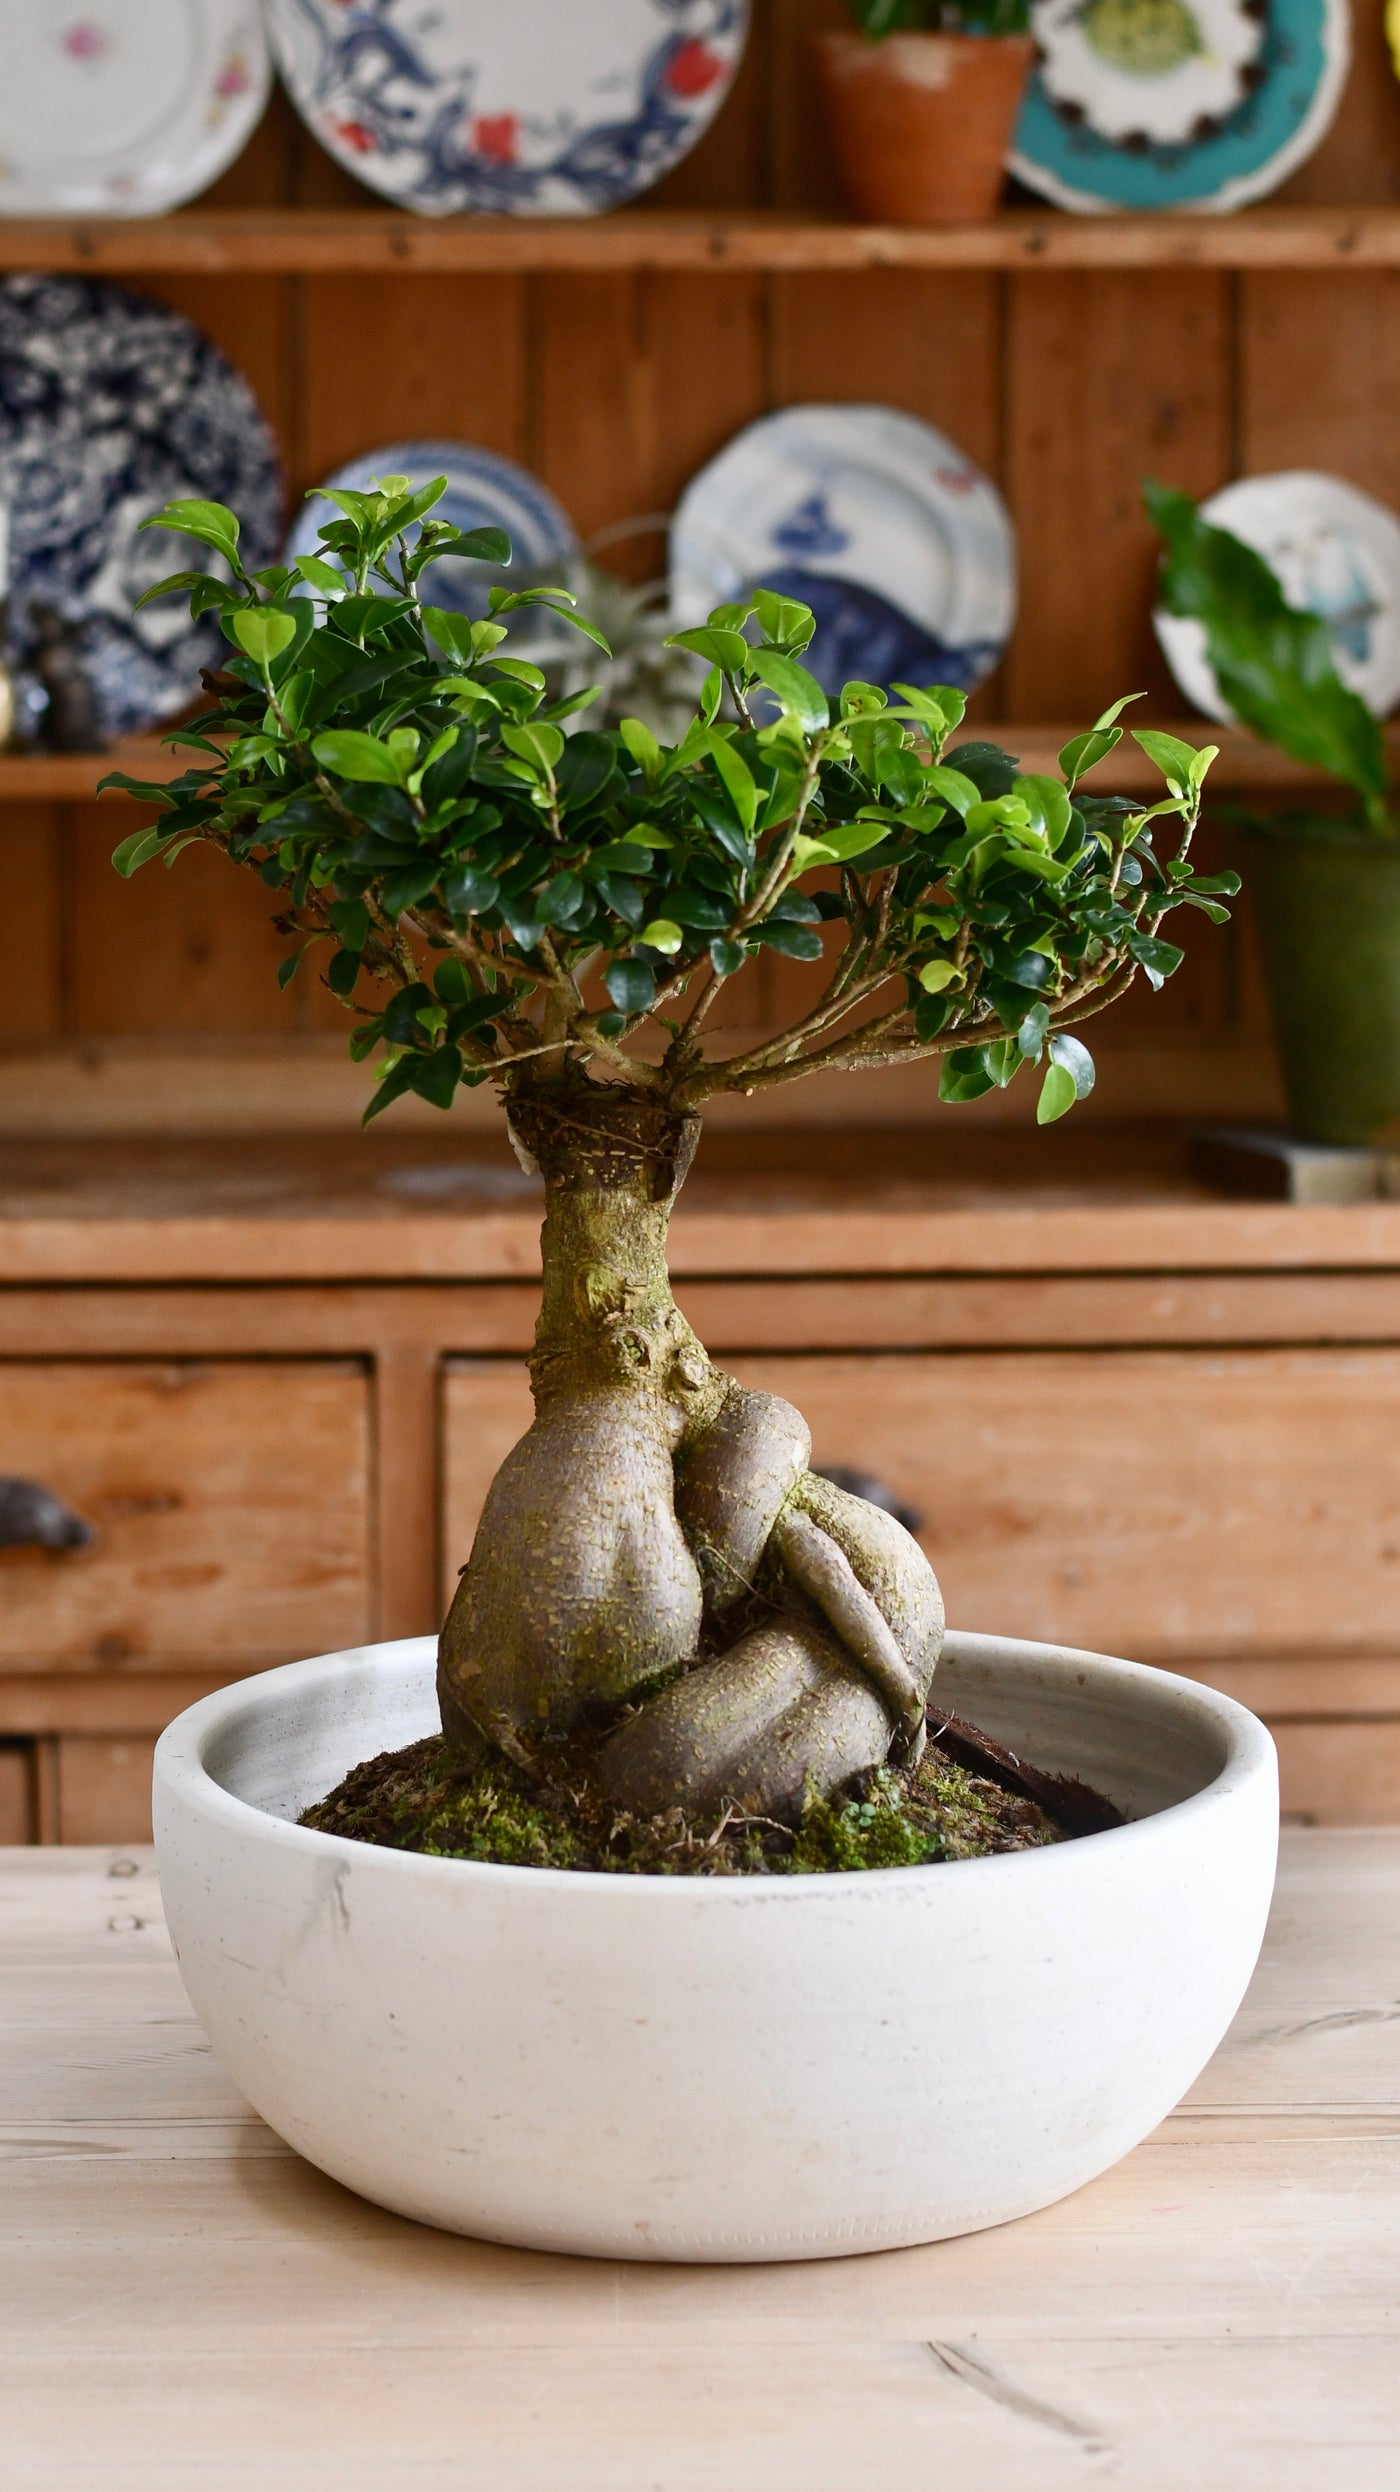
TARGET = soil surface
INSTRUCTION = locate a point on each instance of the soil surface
(968, 1798)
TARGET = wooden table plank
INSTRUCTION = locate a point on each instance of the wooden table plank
(184, 2302)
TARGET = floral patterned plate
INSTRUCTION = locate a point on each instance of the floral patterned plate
(110, 407)
(902, 548)
(1177, 104)
(519, 107)
(124, 107)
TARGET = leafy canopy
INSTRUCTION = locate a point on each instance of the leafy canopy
(486, 881)
(1272, 661)
(966, 17)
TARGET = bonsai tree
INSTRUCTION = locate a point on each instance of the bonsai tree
(500, 894)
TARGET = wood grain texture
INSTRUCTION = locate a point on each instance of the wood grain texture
(1222, 2305)
(104, 1789)
(1164, 1505)
(16, 1791)
(231, 1504)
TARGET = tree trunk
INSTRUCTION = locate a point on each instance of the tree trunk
(655, 1554)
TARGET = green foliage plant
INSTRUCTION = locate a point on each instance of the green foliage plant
(1272, 661)
(878, 18)
(500, 893)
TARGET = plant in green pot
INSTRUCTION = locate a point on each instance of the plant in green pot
(679, 1655)
(922, 99)
(1325, 884)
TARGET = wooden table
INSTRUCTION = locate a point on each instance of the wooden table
(184, 2303)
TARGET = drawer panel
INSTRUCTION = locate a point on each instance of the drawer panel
(231, 1503)
(1163, 1504)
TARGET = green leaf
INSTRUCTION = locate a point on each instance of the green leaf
(342, 973)
(539, 746)
(797, 942)
(1083, 751)
(137, 849)
(454, 634)
(1073, 1057)
(632, 985)
(1048, 804)
(963, 1075)
(717, 645)
(937, 974)
(792, 686)
(477, 545)
(355, 756)
(1272, 661)
(663, 935)
(643, 747)
(208, 522)
(1155, 958)
(322, 576)
(186, 580)
(1057, 1094)
(740, 785)
(1175, 759)
(264, 632)
(1030, 1037)
(782, 619)
(726, 956)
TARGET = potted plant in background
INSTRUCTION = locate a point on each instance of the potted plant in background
(677, 1652)
(1325, 884)
(922, 102)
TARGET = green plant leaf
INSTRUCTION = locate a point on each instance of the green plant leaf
(1073, 1057)
(138, 848)
(353, 755)
(716, 644)
(1058, 1094)
(632, 985)
(727, 957)
(454, 634)
(740, 785)
(208, 522)
(264, 632)
(938, 974)
(663, 935)
(791, 685)
(1272, 661)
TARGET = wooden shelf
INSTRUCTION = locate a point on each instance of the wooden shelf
(1243, 762)
(227, 241)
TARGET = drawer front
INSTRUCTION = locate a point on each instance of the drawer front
(230, 1503)
(1174, 1506)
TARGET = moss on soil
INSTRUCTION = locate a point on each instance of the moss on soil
(418, 1800)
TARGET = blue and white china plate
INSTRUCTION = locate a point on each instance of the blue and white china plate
(516, 107)
(483, 491)
(1336, 552)
(124, 107)
(900, 545)
(1177, 104)
(111, 406)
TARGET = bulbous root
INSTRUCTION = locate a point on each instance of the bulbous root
(657, 1565)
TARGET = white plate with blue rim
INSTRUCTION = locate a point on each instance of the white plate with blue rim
(483, 491)
(901, 546)
(1177, 104)
(1335, 552)
(512, 107)
(110, 407)
(120, 109)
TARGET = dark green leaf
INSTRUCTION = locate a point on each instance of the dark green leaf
(632, 985)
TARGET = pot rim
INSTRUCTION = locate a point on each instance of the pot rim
(182, 1748)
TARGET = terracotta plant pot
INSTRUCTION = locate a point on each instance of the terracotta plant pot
(1327, 900)
(922, 123)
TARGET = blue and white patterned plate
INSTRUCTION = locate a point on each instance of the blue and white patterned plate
(114, 109)
(1177, 104)
(902, 548)
(518, 107)
(1336, 552)
(483, 491)
(111, 406)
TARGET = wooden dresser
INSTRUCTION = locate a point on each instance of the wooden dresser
(276, 1377)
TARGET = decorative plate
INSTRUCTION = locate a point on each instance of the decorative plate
(1177, 104)
(902, 548)
(483, 491)
(111, 406)
(1336, 552)
(519, 107)
(114, 109)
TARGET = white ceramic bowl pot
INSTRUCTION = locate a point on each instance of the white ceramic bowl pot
(726, 2069)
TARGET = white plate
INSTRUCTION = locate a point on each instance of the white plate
(517, 107)
(124, 107)
(1336, 552)
(901, 546)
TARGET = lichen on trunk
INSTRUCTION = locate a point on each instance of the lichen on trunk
(656, 1560)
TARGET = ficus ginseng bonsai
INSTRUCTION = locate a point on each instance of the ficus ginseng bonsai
(557, 913)
(1326, 884)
